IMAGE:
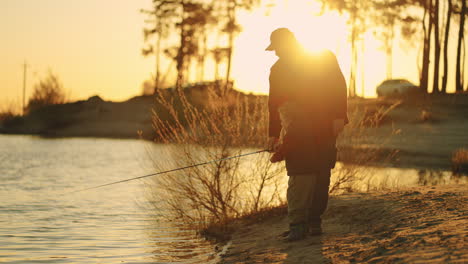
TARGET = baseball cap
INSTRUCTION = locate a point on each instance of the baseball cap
(280, 35)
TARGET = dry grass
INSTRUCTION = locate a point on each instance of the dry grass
(9, 110)
(353, 153)
(224, 126)
(460, 162)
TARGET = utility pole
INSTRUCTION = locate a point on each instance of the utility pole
(25, 66)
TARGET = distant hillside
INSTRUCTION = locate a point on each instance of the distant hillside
(98, 118)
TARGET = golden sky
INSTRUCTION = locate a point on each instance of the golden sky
(94, 46)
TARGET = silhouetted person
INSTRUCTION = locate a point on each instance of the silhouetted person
(307, 105)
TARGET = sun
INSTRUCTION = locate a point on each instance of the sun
(315, 31)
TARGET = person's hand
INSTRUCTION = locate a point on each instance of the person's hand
(272, 144)
(338, 126)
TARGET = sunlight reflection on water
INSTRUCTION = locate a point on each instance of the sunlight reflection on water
(385, 178)
(39, 223)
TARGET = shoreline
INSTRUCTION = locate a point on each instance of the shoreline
(409, 225)
(405, 159)
(423, 131)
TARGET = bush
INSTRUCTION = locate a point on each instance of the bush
(9, 113)
(221, 127)
(48, 91)
(360, 146)
(460, 162)
(9, 110)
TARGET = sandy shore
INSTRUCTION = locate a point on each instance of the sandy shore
(417, 225)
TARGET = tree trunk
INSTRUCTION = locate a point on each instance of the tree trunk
(180, 58)
(435, 84)
(180, 61)
(232, 22)
(158, 62)
(363, 80)
(446, 42)
(229, 60)
(352, 77)
(463, 66)
(202, 57)
(389, 49)
(458, 77)
(424, 79)
(216, 73)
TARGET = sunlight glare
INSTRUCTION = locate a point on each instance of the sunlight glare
(315, 32)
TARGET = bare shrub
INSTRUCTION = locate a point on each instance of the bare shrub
(48, 91)
(360, 145)
(217, 128)
(344, 177)
(460, 162)
(9, 110)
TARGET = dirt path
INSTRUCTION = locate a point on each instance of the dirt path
(418, 225)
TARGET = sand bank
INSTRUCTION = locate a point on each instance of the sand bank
(414, 225)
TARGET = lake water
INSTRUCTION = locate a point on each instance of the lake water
(39, 223)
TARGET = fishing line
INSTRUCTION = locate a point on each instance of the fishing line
(163, 172)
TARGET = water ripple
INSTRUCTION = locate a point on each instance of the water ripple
(38, 224)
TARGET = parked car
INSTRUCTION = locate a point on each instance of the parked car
(396, 87)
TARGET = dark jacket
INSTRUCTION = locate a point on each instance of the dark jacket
(315, 84)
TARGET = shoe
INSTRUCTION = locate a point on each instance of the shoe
(297, 232)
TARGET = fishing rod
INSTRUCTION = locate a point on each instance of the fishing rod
(177, 169)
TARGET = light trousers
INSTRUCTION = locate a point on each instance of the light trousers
(307, 197)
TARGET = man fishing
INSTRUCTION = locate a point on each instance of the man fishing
(308, 109)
